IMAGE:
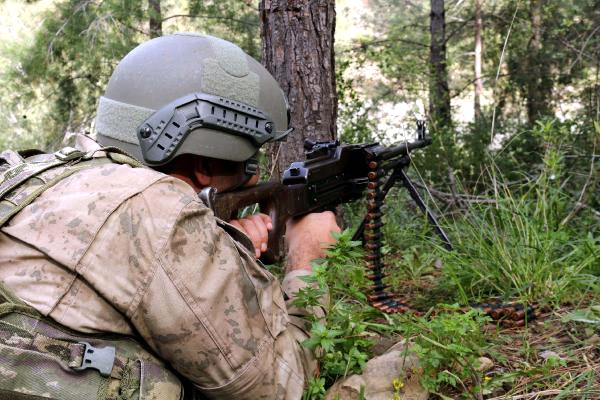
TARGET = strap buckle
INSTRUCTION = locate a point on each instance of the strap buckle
(101, 359)
(68, 154)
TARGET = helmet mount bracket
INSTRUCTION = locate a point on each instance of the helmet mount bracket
(163, 132)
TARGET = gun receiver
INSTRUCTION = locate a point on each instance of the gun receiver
(334, 174)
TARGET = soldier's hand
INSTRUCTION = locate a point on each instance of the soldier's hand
(257, 228)
(308, 237)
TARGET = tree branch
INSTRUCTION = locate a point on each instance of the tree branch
(466, 86)
(239, 21)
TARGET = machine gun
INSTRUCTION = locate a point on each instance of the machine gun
(334, 174)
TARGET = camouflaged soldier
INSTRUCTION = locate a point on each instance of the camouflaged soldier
(116, 281)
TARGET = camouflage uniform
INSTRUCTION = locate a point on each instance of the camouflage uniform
(131, 251)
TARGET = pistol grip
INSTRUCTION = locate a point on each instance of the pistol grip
(276, 244)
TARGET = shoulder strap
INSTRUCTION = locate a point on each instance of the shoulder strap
(121, 157)
(28, 178)
(11, 157)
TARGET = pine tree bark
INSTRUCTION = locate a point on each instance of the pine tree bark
(155, 14)
(297, 48)
(439, 93)
(478, 83)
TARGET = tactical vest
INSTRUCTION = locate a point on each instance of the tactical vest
(40, 359)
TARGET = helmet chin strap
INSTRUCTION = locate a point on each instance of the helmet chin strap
(251, 166)
(250, 169)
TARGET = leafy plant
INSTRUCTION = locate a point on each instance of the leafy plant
(315, 390)
(341, 339)
(448, 346)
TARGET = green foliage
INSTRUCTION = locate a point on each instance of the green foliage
(524, 246)
(68, 64)
(342, 271)
(315, 390)
(355, 126)
(589, 315)
(341, 339)
(233, 20)
(448, 346)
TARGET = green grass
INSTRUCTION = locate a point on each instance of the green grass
(518, 249)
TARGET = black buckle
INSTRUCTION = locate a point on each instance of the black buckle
(101, 359)
(251, 166)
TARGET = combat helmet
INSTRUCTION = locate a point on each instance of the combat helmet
(190, 94)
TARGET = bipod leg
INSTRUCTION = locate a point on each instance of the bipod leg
(417, 199)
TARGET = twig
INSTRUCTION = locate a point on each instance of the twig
(274, 162)
(60, 30)
(530, 395)
(576, 50)
(456, 198)
(459, 91)
(498, 70)
(453, 186)
(592, 210)
(364, 45)
(583, 47)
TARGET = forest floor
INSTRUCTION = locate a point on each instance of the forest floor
(555, 356)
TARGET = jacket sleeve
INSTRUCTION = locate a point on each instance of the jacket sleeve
(217, 316)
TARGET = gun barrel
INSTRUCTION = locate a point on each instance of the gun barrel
(385, 153)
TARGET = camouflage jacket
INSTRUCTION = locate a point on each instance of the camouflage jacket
(134, 252)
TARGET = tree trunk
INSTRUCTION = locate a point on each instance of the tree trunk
(155, 14)
(539, 84)
(297, 48)
(439, 93)
(478, 87)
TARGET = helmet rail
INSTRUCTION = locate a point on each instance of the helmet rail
(163, 132)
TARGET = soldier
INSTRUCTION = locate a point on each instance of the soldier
(116, 281)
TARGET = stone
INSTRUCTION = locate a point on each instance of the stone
(485, 364)
(377, 380)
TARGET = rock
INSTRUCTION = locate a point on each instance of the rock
(485, 364)
(382, 344)
(378, 377)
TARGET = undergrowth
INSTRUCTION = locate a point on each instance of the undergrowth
(524, 246)
(448, 345)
